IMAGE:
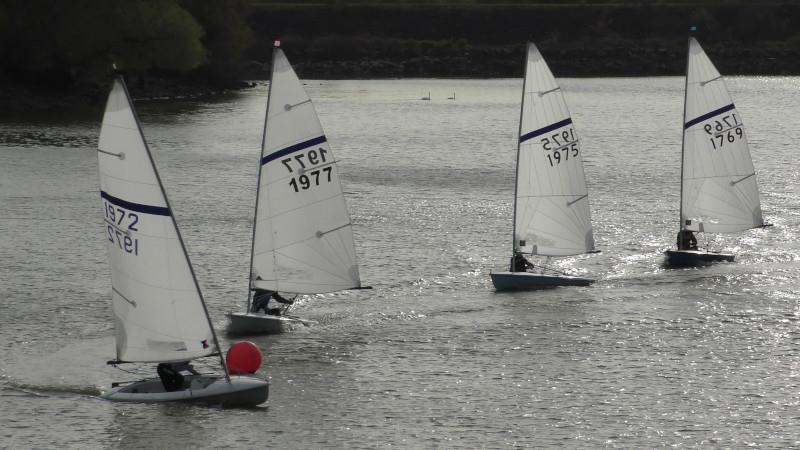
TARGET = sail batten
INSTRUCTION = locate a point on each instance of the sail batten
(158, 311)
(302, 240)
(719, 189)
(552, 216)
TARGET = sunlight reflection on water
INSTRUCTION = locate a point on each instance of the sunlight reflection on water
(432, 357)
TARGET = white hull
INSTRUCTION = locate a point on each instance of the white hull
(257, 323)
(506, 281)
(211, 389)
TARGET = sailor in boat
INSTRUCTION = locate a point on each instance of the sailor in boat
(687, 240)
(262, 301)
(519, 263)
(171, 376)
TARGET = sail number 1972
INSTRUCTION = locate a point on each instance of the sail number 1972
(301, 163)
(119, 224)
(561, 146)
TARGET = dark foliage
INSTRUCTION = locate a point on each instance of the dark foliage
(487, 38)
(203, 45)
(69, 46)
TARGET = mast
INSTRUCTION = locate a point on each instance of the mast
(683, 137)
(177, 230)
(258, 181)
(519, 134)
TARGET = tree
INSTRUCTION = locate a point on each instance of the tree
(85, 36)
(227, 33)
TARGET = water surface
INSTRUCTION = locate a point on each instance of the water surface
(432, 356)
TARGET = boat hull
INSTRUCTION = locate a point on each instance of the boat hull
(208, 389)
(689, 258)
(255, 323)
(509, 281)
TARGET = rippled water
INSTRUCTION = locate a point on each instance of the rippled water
(432, 357)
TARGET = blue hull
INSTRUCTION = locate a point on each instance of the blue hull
(515, 281)
(690, 258)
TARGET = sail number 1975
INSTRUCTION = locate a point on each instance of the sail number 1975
(302, 163)
(561, 146)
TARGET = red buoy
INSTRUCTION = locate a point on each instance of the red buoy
(243, 357)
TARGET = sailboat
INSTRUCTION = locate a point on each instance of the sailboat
(719, 192)
(551, 202)
(159, 312)
(302, 234)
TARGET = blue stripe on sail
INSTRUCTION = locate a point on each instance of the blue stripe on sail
(544, 130)
(716, 112)
(146, 209)
(293, 148)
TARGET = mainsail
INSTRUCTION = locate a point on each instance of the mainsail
(551, 215)
(158, 311)
(303, 237)
(719, 192)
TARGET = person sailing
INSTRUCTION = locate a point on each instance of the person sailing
(519, 263)
(262, 298)
(171, 376)
(686, 240)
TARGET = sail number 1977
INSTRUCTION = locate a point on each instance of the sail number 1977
(302, 163)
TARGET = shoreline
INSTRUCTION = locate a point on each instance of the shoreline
(395, 39)
(18, 98)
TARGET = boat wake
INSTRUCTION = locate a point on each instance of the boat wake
(12, 388)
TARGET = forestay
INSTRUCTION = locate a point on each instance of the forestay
(303, 238)
(719, 189)
(552, 204)
(158, 311)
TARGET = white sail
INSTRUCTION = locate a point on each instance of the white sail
(719, 189)
(303, 238)
(158, 312)
(552, 204)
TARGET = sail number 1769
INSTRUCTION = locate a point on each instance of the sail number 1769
(726, 129)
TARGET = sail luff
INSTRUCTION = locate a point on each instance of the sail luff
(683, 141)
(519, 143)
(258, 184)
